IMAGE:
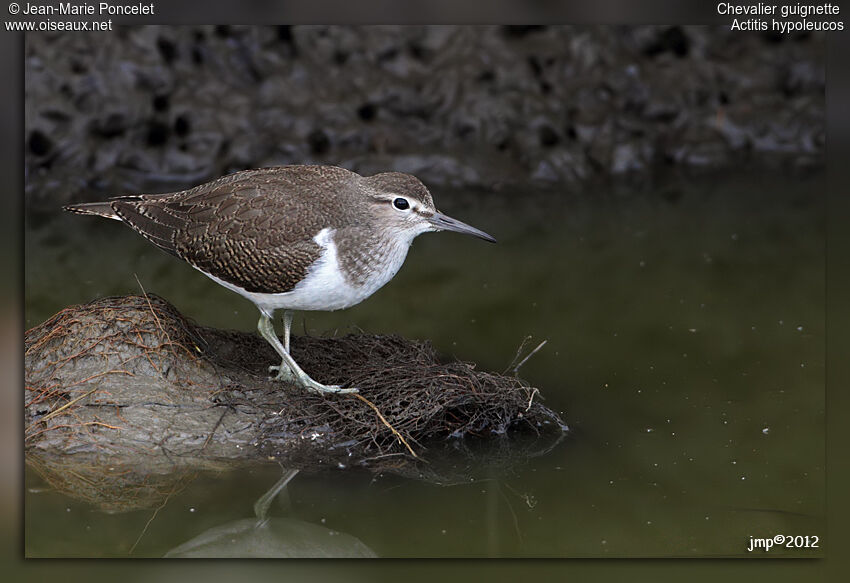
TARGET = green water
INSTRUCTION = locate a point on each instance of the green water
(685, 349)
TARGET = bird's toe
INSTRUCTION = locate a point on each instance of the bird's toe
(326, 389)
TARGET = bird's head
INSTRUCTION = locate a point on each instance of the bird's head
(403, 203)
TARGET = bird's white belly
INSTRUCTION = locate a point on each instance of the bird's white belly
(325, 287)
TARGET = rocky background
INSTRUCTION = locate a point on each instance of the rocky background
(473, 107)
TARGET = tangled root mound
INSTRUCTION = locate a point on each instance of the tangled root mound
(129, 378)
(407, 396)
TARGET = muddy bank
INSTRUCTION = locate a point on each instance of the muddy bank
(479, 107)
(147, 398)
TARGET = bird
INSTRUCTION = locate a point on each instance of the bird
(296, 237)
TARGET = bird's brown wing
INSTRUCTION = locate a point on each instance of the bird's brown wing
(254, 231)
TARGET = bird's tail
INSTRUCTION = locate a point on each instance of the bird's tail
(101, 209)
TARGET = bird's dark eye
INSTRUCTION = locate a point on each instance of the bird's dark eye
(401, 204)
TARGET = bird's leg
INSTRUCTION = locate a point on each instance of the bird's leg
(287, 324)
(294, 372)
(261, 506)
(284, 372)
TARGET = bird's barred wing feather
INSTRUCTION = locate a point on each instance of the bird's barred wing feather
(253, 229)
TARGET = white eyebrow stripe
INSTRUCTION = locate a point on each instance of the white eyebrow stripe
(416, 205)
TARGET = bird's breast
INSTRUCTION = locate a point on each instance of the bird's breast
(363, 259)
(347, 272)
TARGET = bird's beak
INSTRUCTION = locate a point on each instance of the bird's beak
(441, 222)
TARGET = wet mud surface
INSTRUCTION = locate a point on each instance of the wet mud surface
(462, 106)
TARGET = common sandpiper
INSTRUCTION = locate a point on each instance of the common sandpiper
(291, 237)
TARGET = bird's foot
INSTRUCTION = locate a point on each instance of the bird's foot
(321, 389)
(285, 374)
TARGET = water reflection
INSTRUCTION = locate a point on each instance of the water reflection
(271, 537)
(113, 483)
